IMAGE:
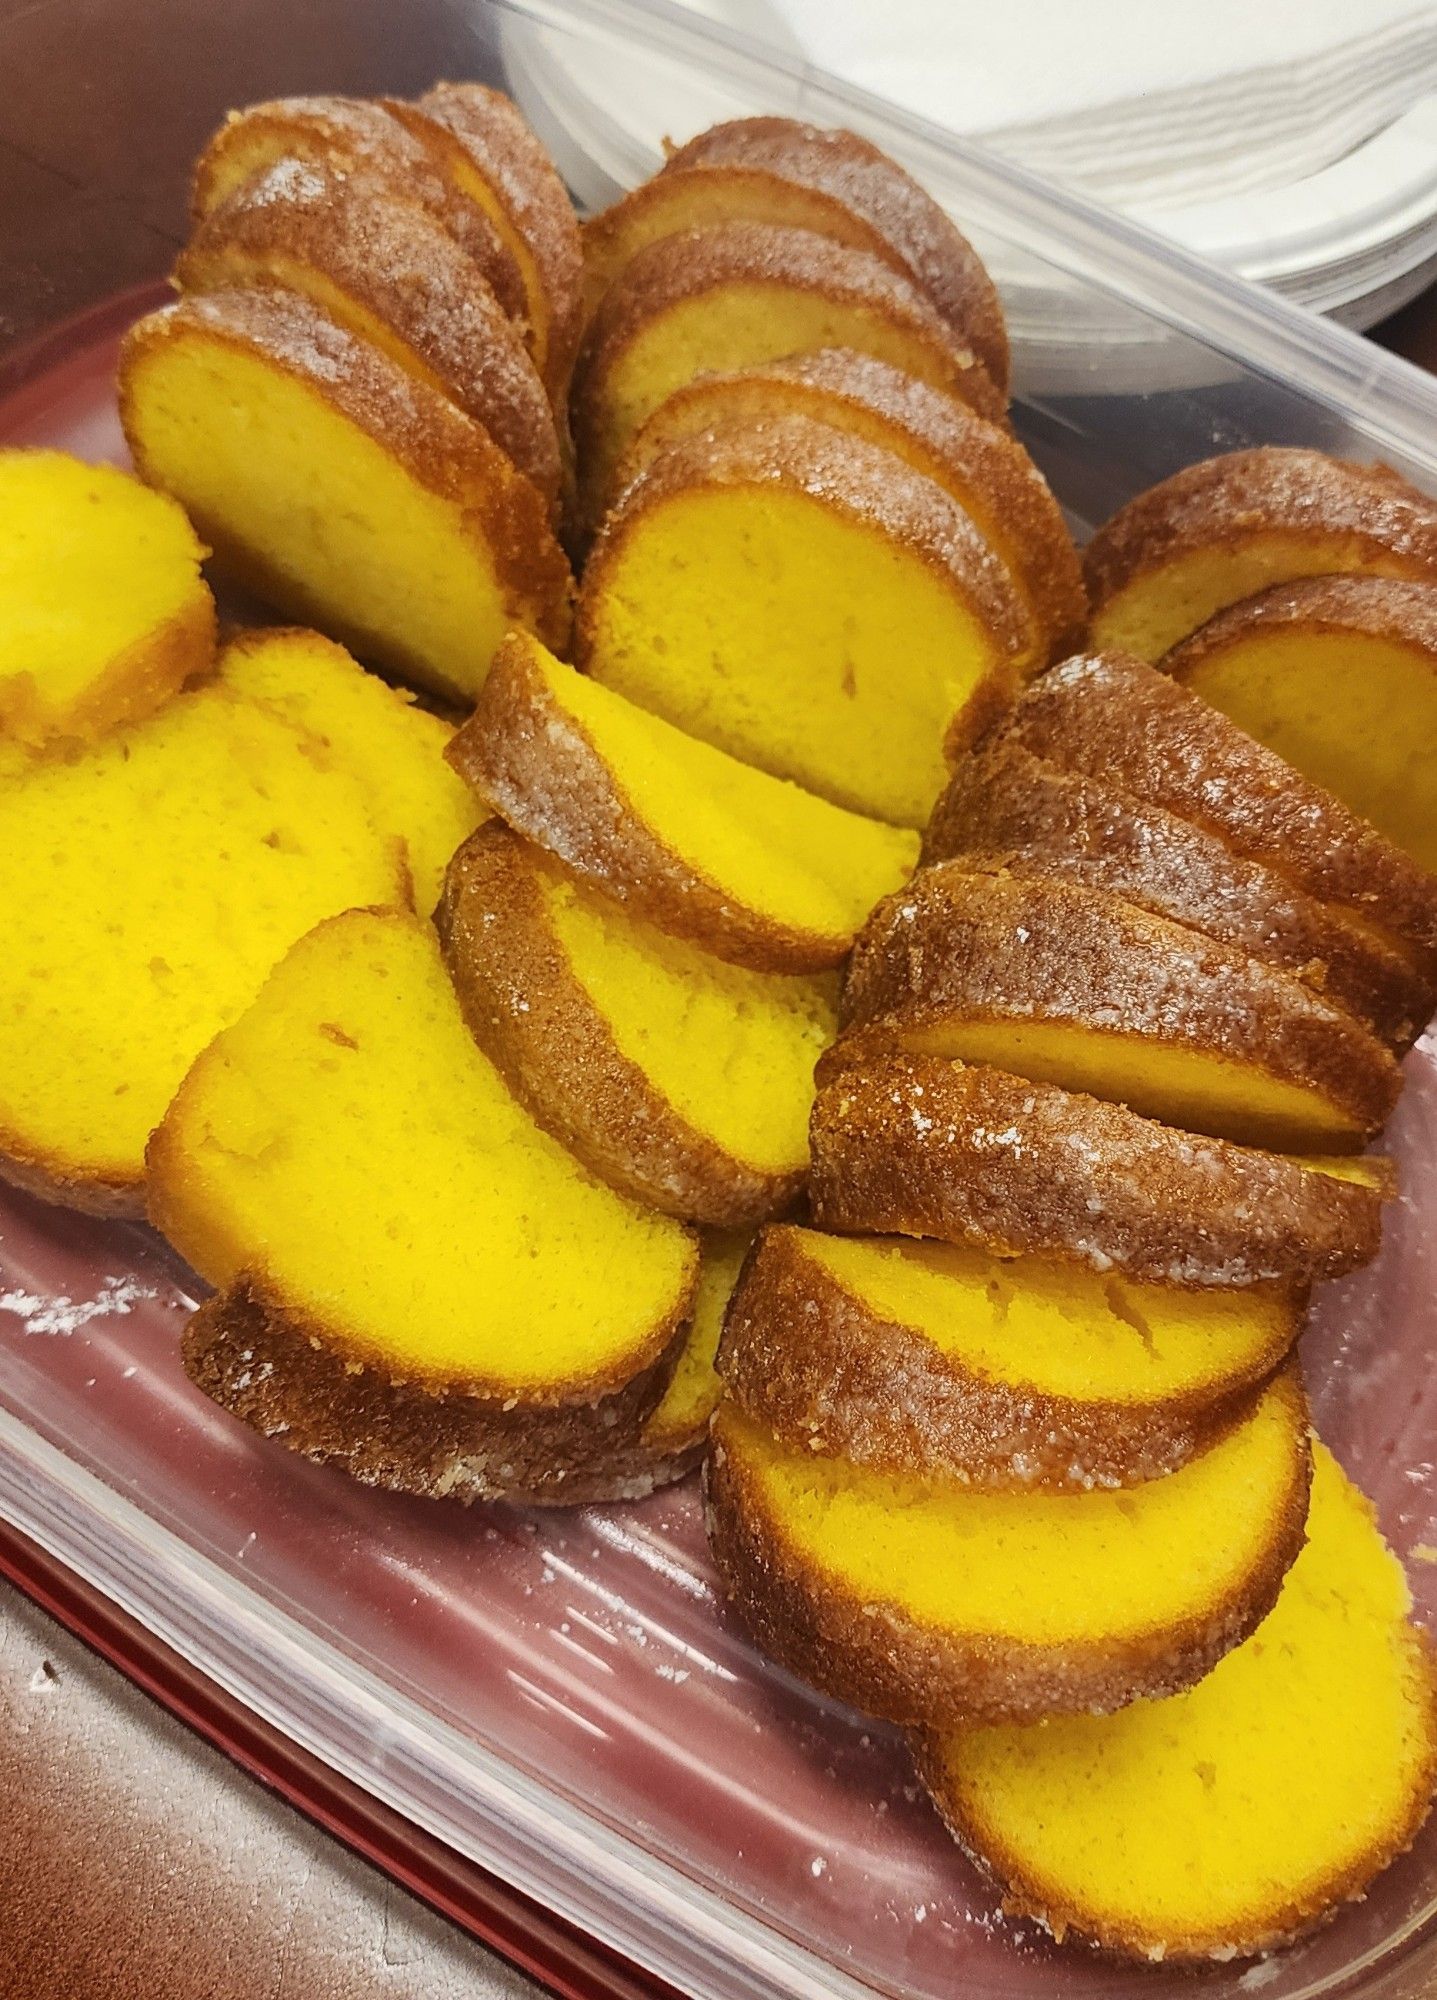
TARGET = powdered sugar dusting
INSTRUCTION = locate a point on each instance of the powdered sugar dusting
(116, 1297)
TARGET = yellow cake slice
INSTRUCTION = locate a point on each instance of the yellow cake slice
(923, 1600)
(149, 885)
(933, 1359)
(1339, 676)
(681, 1079)
(750, 867)
(441, 1298)
(1229, 1819)
(103, 611)
(353, 722)
(339, 487)
(809, 603)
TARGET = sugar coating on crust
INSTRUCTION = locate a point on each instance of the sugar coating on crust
(1377, 607)
(397, 264)
(916, 1146)
(857, 173)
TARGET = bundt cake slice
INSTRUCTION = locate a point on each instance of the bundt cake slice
(423, 1287)
(916, 1146)
(1229, 1819)
(387, 269)
(1060, 983)
(750, 867)
(985, 469)
(1338, 675)
(103, 611)
(923, 1601)
(807, 602)
(944, 1362)
(339, 487)
(681, 1079)
(1238, 524)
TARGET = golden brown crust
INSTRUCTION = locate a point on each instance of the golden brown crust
(399, 266)
(1112, 717)
(1370, 607)
(285, 1378)
(354, 134)
(821, 1368)
(916, 1146)
(1005, 808)
(57, 1182)
(442, 450)
(853, 171)
(534, 1020)
(983, 467)
(884, 1661)
(956, 945)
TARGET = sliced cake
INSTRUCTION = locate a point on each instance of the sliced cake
(103, 611)
(1338, 675)
(948, 1363)
(681, 1079)
(1235, 525)
(339, 487)
(751, 588)
(750, 867)
(917, 1146)
(1229, 1819)
(924, 1601)
(421, 1286)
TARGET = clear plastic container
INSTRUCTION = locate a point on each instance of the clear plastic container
(560, 1697)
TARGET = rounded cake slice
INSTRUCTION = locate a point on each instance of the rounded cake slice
(810, 604)
(1240, 523)
(711, 300)
(750, 867)
(683, 1080)
(922, 1601)
(1227, 1820)
(351, 135)
(339, 487)
(917, 1146)
(982, 466)
(1065, 984)
(384, 267)
(434, 1294)
(490, 155)
(103, 611)
(1113, 718)
(819, 169)
(1339, 676)
(1006, 808)
(948, 1363)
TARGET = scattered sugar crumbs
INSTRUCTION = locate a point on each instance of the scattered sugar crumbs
(62, 1316)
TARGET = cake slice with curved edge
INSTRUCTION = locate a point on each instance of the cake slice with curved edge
(433, 1294)
(810, 604)
(1240, 523)
(352, 721)
(917, 1146)
(1065, 984)
(1006, 808)
(149, 884)
(1339, 676)
(839, 167)
(353, 135)
(922, 1601)
(488, 152)
(712, 300)
(1151, 1832)
(103, 611)
(684, 1081)
(947, 1363)
(983, 467)
(1111, 717)
(387, 269)
(750, 867)
(340, 488)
